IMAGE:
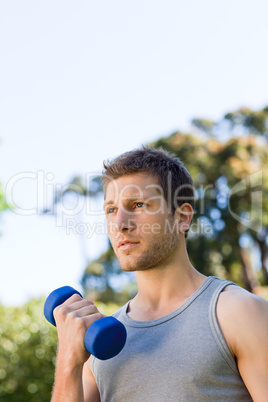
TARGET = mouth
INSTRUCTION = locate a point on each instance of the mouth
(126, 245)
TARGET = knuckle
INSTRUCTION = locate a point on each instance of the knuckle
(75, 297)
(63, 311)
(98, 315)
(80, 325)
(60, 313)
(72, 315)
(88, 302)
(93, 309)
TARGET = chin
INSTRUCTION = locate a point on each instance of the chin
(128, 267)
(132, 266)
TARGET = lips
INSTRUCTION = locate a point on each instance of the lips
(126, 244)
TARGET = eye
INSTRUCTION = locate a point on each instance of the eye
(139, 204)
(110, 210)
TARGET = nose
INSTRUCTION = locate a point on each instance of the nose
(124, 221)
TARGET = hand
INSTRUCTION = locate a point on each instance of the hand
(73, 318)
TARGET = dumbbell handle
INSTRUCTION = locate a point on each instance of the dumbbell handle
(104, 339)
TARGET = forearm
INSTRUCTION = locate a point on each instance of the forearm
(68, 386)
(73, 318)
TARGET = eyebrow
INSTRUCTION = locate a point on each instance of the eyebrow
(125, 199)
(107, 203)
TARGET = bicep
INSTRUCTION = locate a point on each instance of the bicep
(252, 353)
(91, 391)
(243, 319)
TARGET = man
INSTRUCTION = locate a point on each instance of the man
(190, 338)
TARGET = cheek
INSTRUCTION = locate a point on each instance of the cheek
(150, 228)
(111, 232)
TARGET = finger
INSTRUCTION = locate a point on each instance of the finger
(89, 319)
(75, 307)
(75, 302)
(86, 310)
(79, 304)
(74, 298)
(75, 310)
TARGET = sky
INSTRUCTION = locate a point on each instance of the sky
(81, 82)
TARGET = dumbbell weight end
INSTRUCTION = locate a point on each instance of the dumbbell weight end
(104, 339)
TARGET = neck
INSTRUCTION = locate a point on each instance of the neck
(164, 288)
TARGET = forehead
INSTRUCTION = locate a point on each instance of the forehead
(135, 185)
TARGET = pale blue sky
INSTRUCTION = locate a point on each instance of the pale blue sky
(84, 81)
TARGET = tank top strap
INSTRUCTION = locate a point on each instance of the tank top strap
(220, 285)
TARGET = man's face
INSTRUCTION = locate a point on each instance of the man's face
(142, 233)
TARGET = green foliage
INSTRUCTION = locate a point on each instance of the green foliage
(27, 353)
(219, 244)
(103, 280)
(28, 346)
(254, 121)
(3, 203)
(107, 309)
(204, 125)
(218, 167)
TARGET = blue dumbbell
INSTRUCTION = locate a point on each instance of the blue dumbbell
(104, 339)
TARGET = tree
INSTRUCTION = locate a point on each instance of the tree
(229, 166)
(28, 346)
(3, 203)
(217, 242)
(103, 280)
(244, 164)
(27, 353)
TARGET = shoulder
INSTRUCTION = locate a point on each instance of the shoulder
(243, 319)
(242, 316)
(239, 303)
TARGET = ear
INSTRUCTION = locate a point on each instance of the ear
(184, 215)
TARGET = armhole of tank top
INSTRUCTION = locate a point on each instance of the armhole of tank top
(92, 361)
(217, 333)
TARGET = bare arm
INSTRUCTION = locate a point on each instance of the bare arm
(243, 318)
(73, 318)
(91, 391)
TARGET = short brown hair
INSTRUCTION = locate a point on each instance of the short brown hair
(172, 176)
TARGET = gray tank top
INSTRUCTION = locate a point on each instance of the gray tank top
(180, 357)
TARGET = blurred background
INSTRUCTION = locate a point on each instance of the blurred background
(83, 82)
